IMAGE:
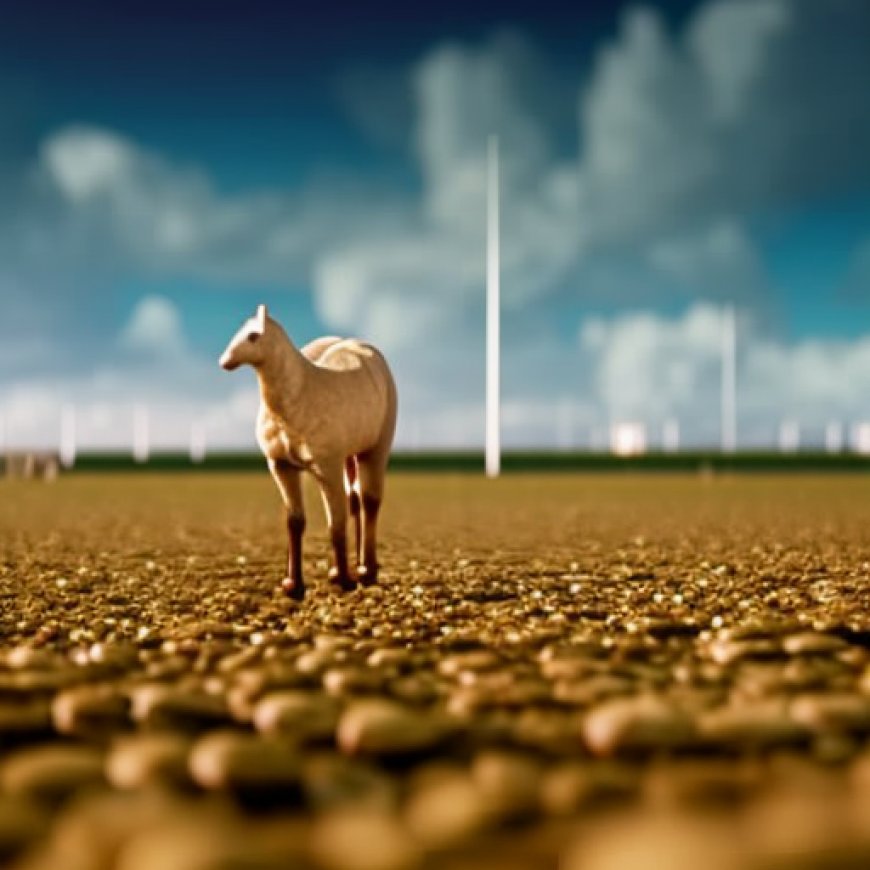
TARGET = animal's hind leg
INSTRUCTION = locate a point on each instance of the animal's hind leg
(331, 479)
(372, 470)
(351, 486)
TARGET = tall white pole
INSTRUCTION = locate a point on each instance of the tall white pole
(197, 442)
(493, 340)
(671, 436)
(141, 447)
(834, 437)
(565, 424)
(729, 380)
(68, 436)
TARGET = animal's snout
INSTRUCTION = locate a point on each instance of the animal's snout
(226, 362)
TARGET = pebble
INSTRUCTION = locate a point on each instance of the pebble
(90, 830)
(25, 722)
(641, 724)
(246, 765)
(198, 845)
(331, 781)
(832, 711)
(162, 706)
(379, 727)
(727, 651)
(654, 841)
(348, 681)
(812, 643)
(575, 785)
(697, 783)
(446, 812)
(363, 839)
(750, 727)
(141, 760)
(509, 784)
(90, 711)
(303, 716)
(22, 823)
(52, 773)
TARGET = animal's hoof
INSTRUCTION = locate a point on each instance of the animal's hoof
(367, 576)
(342, 582)
(292, 589)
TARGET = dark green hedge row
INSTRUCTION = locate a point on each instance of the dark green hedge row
(512, 462)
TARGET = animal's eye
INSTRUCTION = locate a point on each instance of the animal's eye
(253, 336)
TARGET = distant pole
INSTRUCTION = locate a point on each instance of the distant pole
(68, 436)
(493, 362)
(141, 448)
(789, 436)
(729, 380)
(671, 436)
(834, 437)
(197, 442)
(565, 424)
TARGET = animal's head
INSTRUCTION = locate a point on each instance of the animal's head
(247, 346)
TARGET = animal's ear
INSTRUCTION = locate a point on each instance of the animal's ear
(261, 317)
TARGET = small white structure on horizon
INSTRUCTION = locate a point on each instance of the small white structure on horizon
(565, 424)
(671, 436)
(861, 438)
(492, 449)
(789, 436)
(197, 442)
(628, 439)
(729, 380)
(834, 437)
(67, 451)
(141, 434)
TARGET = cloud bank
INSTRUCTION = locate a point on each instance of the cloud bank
(679, 143)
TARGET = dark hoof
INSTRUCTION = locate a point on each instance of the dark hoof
(367, 576)
(292, 589)
(341, 582)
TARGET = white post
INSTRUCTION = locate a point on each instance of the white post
(565, 424)
(493, 363)
(68, 436)
(861, 438)
(834, 437)
(789, 436)
(197, 442)
(671, 436)
(729, 380)
(141, 449)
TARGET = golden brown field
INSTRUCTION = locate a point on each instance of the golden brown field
(591, 671)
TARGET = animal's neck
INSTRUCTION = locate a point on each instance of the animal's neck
(282, 376)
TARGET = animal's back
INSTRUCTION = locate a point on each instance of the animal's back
(346, 355)
(366, 369)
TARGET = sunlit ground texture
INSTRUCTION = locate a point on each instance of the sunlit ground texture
(577, 672)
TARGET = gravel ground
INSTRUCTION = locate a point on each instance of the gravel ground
(586, 672)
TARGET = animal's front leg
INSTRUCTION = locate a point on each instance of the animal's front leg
(289, 483)
(331, 479)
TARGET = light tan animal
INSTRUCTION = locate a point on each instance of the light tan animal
(329, 410)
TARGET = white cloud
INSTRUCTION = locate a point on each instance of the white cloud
(651, 367)
(154, 328)
(169, 219)
(86, 164)
(754, 106)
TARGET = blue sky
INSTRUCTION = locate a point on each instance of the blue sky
(165, 167)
